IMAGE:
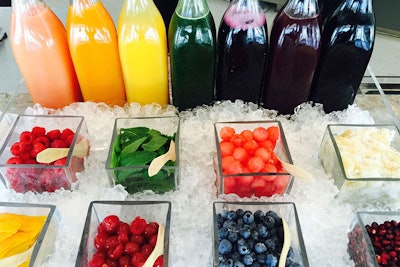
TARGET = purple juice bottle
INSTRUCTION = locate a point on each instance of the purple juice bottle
(347, 43)
(294, 50)
(242, 48)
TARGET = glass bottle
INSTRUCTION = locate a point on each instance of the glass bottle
(142, 41)
(40, 47)
(192, 44)
(242, 48)
(93, 44)
(347, 43)
(294, 49)
(327, 7)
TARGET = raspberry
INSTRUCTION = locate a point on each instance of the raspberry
(111, 242)
(54, 134)
(111, 223)
(150, 230)
(42, 139)
(38, 131)
(138, 225)
(37, 148)
(146, 249)
(131, 248)
(138, 259)
(124, 261)
(60, 162)
(153, 240)
(97, 261)
(100, 240)
(69, 140)
(58, 144)
(26, 137)
(65, 133)
(14, 160)
(138, 239)
(116, 253)
(20, 147)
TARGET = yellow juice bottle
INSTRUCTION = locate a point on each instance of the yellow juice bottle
(93, 43)
(143, 52)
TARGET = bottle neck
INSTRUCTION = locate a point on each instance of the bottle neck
(192, 8)
(302, 8)
(138, 5)
(358, 6)
(252, 6)
(27, 7)
(82, 3)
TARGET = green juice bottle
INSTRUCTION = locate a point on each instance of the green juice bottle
(192, 48)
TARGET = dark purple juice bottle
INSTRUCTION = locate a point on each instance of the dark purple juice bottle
(347, 44)
(294, 50)
(242, 48)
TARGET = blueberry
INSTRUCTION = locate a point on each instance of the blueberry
(270, 244)
(256, 264)
(232, 215)
(235, 256)
(262, 231)
(261, 258)
(258, 215)
(248, 217)
(243, 249)
(239, 221)
(273, 214)
(271, 260)
(230, 224)
(222, 233)
(248, 260)
(244, 232)
(241, 241)
(290, 254)
(295, 264)
(238, 264)
(254, 235)
(260, 248)
(223, 264)
(224, 214)
(233, 236)
(239, 213)
(268, 222)
(225, 246)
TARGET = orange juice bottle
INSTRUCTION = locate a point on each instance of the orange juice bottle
(142, 41)
(39, 43)
(93, 43)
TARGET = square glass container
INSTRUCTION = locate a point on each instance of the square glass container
(373, 238)
(151, 211)
(135, 143)
(44, 244)
(267, 229)
(244, 182)
(363, 160)
(23, 173)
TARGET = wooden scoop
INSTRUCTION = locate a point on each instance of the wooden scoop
(286, 244)
(158, 249)
(296, 171)
(50, 154)
(157, 163)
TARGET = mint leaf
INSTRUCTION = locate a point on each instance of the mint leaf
(139, 158)
(156, 141)
(133, 147)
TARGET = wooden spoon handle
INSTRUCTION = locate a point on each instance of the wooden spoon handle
(158, 249)
(286, 244)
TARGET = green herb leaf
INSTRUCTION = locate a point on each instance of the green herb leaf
(156, 141)
(133, 147)
(139, 158)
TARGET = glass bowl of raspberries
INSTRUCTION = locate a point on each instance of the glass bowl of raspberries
(126, 233)
(248, 159)
(374, 238)
(257, 234)
(43, 153)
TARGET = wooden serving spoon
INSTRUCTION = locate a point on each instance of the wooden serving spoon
(296, 171)
(158, 249)
(286, 244)
(157, 163)
(81, 149)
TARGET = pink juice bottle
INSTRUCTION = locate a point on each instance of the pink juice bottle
(242, 48)
(294, 50)
(39, 43)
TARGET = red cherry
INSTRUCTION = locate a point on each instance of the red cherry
(159, 262)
